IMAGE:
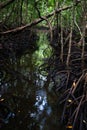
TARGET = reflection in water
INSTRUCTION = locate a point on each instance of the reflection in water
(42, 107)
(41, 80)
(41, 100)
(26, 103)
(43, 110)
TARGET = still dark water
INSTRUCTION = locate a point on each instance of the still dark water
(25, 104)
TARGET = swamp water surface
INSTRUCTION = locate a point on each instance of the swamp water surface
(25, 103)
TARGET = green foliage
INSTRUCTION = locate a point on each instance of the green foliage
(44, 50)
(23, 11)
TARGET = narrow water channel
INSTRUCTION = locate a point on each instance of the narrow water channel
(24, 102)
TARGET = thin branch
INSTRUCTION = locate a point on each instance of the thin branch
(36, 21)
(61, 55)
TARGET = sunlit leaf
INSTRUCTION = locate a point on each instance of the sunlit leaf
(1, 100)
(69, 126)
(69, 100)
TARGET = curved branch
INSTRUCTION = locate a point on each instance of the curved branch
(36, 21)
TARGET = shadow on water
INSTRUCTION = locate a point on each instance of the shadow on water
(24, 102)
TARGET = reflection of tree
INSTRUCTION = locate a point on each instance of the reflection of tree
(66, 68)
